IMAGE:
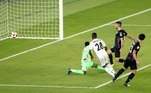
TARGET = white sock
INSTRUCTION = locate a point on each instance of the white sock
(110, 70)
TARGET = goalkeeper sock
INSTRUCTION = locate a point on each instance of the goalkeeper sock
(100, 68)
(77, 71)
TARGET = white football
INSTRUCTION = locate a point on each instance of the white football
(13, 34)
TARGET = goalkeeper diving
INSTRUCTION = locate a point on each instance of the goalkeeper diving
(86, 62)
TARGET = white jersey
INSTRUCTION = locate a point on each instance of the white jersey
(98, 46)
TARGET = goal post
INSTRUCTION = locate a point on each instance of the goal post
(34, 19)
(61, 19)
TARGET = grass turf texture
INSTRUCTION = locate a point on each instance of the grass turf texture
(47, 66)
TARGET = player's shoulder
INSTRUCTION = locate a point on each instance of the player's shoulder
(95, 40)
(122, 32)
(137, 42)
(86, 48)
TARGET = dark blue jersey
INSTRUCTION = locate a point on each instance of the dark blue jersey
(120, 34)
(135, 46)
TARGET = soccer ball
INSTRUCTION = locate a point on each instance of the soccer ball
(13, 34)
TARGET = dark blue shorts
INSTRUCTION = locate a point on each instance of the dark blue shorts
(130, 62)
(116, 51)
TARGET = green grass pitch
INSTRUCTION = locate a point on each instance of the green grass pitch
(48, 65)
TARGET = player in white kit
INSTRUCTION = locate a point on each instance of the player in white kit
(99, 47)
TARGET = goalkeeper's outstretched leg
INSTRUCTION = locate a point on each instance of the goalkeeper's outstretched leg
(86, 62)
(84, 68)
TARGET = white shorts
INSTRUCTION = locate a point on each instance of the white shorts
(103, 59)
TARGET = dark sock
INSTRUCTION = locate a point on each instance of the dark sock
(111, 58)
(130, 77)
(121, 60)
(119, 72)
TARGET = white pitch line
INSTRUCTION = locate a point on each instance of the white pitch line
(137, 25)
(69, 87)
(44, 86)
(108, 82)
(92, 29)
(26, 51)
(134, 25)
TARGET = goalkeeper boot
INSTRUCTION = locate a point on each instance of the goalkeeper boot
(69, 71)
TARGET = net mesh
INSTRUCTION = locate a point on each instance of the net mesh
(37, 19)
(3, 20)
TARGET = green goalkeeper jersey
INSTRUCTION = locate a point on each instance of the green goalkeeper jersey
(85, 55)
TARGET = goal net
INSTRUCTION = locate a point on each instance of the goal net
(33, 19)
(3, 20)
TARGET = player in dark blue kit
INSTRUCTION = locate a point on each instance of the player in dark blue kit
(131, 60)
(119, 43)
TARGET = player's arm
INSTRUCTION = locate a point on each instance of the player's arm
(122, 44)
(90, 52)
(105, 48)
(84, 57)
(104, 45)
(130, 37)
(135, 57)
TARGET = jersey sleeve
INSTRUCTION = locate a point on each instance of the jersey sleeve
(136, 47)
(103, 43)
(90, 46)
(124, 33)
(121, 35)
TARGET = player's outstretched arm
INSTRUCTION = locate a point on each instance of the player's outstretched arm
(130, 37)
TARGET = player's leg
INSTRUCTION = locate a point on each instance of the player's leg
(119, 73)
(107, 67)
(100, 68)
(125, 66)
(130, 77)
(118, 55)
(118, 59)
(110, 55)
(133, 67)
(94, 65)
(77, 71)
(82, 71)
(111, 69)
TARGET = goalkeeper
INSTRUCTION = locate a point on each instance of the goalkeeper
(86, 62)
